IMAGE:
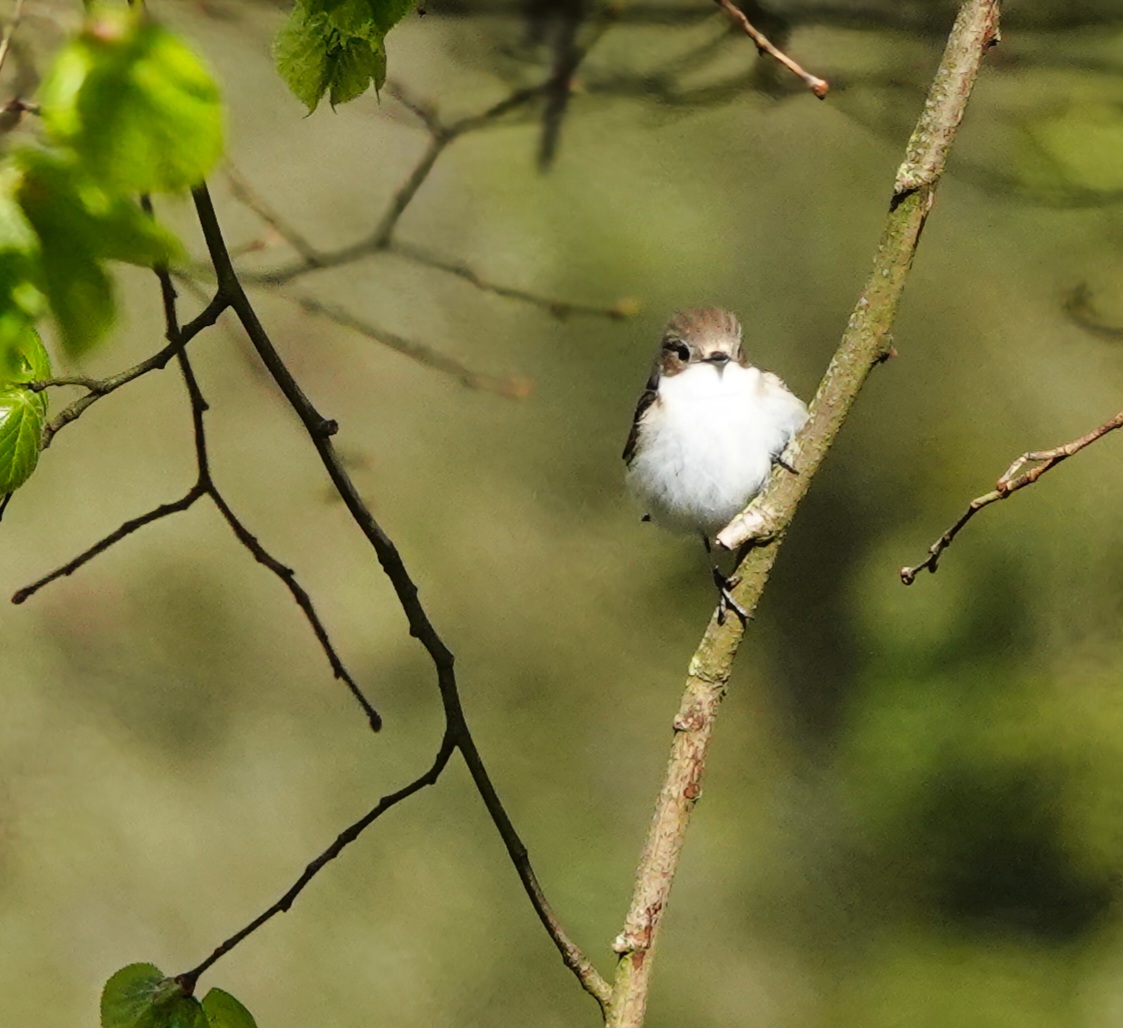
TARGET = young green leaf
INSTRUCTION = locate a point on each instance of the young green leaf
(224, 1011)
(354, 68)
(76, 227)
(126, 1000)
(369, 18)
(22, 411)
(336, 47)
(135, 104)
(300, 52)
(387, 13)
(139, 996)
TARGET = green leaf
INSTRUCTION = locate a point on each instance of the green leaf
(224, 1011)
(136, 105)
(21, 427)
(139, 996)
(353, 70)
(126, 1000)
(22, 412)
(24, 358)
(78, 226)
(300, 52)
(60, 202)
(370, 19)
(387, 13)
(335, 47)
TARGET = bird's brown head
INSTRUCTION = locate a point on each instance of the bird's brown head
(701, 335)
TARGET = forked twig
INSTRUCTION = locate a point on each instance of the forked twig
(178, 337)
(457, 736)
(1010, 482)
(820, 87)
(99, 387)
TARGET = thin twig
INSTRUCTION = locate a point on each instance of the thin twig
(512, 386)
(441, 137)
(9, 31)
(178, 337)
(320, 431)
(127, 529)
(303, 601)
(206, 481)
(425, 112)
(820, 87)
(1009, 483)
(244, 193)
(188, 979)
(558, 308)
(865, 343)
(99, 387)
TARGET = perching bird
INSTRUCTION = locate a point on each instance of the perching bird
(708, 428)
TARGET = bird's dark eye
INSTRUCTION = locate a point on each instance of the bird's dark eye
(681, 351)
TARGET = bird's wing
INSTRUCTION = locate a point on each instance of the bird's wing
(788, 409)
(649, 395)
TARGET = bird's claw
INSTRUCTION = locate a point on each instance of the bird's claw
(726, 602)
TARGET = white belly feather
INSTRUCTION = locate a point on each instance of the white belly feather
(706, 446)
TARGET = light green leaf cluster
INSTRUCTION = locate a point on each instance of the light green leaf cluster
(22, 411)
(127, 109)
(140, 996)
(336, 47)
(135, 105)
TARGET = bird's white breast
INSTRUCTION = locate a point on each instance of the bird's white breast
(707, 444)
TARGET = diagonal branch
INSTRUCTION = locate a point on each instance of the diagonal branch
(1010, 482)
(188, 979)
(320, 430)
(178, 337)
(132, 525)
(820, 87)
(865, 343)
(99, 387)
(513, 386)
(558, 308)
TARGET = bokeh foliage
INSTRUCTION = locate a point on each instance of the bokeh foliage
(126, 109)
(911, 815)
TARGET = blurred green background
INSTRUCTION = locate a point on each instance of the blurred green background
(912, 814)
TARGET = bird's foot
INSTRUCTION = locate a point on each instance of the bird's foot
(726, 602)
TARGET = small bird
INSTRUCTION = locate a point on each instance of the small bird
(707, 430)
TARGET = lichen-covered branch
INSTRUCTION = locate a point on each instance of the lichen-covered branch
(865, 343)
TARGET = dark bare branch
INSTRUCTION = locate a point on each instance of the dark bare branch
(127, 529)
(99, 387)
(320, 430)
(188, 979)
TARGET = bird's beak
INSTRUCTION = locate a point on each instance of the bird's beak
(719, 360)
